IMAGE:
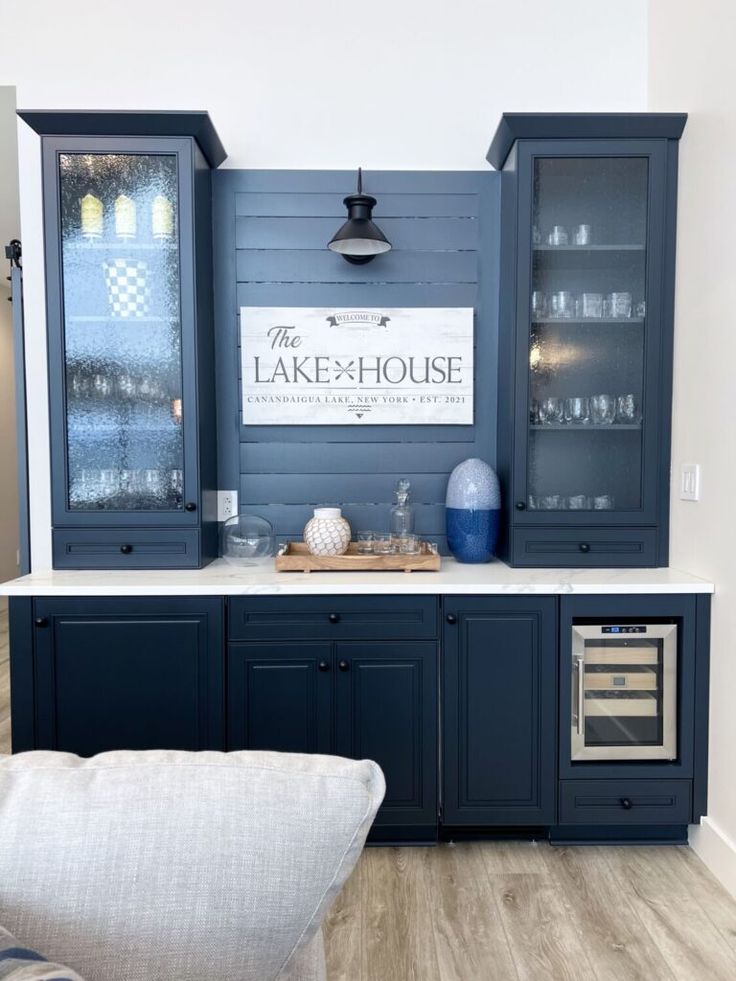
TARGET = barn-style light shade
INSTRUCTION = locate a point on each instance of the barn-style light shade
(360, 239)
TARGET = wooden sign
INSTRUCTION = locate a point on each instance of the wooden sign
(303, 366)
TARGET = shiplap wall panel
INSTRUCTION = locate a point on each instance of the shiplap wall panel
(270, 235)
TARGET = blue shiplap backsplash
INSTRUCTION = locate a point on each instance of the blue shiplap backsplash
(271, 231)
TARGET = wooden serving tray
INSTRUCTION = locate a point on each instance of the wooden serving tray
(296, 557)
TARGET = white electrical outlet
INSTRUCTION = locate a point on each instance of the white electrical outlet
(690, 482)
(227, 504)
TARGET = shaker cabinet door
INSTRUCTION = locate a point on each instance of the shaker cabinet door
(280, 697)
(499, 709)
(386, 711)
(119, 673)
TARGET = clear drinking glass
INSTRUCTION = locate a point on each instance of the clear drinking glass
(577, 410)
(581, 235)
(550, 502)
(619, 305)
(562, 304)
(384, 545)
(551, 411)
(602, 410)
(558, 235)
(365, 542)
(409, 544)
(539, 305)
(590, 305)
(603, 502)
(628, 411)
(579, 502)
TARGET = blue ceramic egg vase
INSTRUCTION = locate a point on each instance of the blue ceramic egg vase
(473, 510)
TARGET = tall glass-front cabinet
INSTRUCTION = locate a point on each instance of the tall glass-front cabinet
(588, 224)
(130, 333)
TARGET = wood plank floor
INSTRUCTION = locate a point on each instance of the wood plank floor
(529, 912)
(498, 911)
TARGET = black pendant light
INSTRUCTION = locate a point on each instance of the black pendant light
(359, 240)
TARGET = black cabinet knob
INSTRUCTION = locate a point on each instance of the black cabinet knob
(334, 617)
(41, 622)
(344, 665)
(584, 547)
(451, 618)
(324, 665)
(521, 505)
(626, 803)
(190, 506)
(126, 549)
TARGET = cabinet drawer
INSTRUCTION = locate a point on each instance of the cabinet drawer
(122, 548)
(594, 547)
(338, 618)
(625, 802)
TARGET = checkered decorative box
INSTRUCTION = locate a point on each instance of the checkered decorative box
(127, 287)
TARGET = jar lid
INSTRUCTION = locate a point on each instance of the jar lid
(328, 514)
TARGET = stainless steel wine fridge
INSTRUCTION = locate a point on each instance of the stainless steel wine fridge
(624, 695)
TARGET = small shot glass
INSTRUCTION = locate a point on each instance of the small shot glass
(383, 545)
(366, 542)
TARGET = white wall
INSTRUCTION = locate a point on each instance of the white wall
(9, 228)
(292, 84)
(386, 83)
(691, 66)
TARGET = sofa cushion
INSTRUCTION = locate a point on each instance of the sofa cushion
(195, 866)
(18, 963)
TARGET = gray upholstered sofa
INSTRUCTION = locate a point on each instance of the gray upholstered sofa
(189, 866)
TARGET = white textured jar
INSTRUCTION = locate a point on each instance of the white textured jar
(327, 533)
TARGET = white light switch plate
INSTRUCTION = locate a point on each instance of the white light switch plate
(690, 482)
(227, 504)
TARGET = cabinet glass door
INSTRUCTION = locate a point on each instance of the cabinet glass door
(587, 329)
(122, 331)
(624, 682)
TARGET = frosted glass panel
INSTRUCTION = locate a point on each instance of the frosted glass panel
(587, 324)
(122, 331)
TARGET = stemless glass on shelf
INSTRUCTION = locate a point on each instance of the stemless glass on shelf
(577, 411)
(602, 410)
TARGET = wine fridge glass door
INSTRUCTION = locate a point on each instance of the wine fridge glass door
(624, 692)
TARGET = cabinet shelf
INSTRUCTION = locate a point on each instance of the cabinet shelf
(590, 248)
(107, 319)
(588, 321)
(121, 246)
(559, 427)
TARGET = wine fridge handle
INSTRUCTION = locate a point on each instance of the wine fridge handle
(580, 668)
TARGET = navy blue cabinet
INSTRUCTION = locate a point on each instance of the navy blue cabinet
(588, 228)
(280, 697)
(499, 682)
(130, 337)
(386, 710)
(356, 676)
(120, 673)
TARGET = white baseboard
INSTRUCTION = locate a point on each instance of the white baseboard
(716, 850)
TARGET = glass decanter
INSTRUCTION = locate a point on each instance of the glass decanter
(401, 517)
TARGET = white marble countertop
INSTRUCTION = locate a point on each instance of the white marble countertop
(221, 579)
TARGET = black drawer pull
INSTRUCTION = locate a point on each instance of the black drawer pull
(584, 547)
(344, 665)
(626, 803)
(41, 622)
(324, 665)
(520, 506)
(451, 618)
(334, 617)
(126, 549)
(190, 506)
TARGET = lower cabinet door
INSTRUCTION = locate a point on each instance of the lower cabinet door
(280, 697)
(120, 673)
(499, 711)
(386, 710)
